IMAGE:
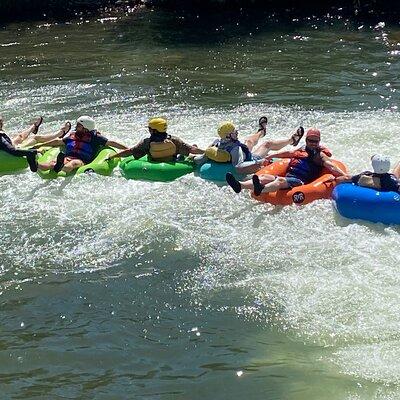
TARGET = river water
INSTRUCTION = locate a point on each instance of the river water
(116, 289)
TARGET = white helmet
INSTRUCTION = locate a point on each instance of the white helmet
(380, 164)
(87, 122)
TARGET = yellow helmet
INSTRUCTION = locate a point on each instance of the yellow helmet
(159, 124)
(225, 129)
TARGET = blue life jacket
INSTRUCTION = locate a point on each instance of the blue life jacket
(229, 145)
(306, 168)
(80, 146)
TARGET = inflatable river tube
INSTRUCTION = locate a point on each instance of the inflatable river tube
(148, 170)
(357, 202)
(98, 165)
(215, 171)
(318, 189)
(10, 164)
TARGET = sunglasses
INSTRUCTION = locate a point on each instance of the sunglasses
(312, 140)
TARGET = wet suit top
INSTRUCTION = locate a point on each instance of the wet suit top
(383, 182)
(7, 146)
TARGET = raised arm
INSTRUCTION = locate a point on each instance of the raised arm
(331, 166)
(117, 145)
(195, 150)
(343, 178)
(123, 153)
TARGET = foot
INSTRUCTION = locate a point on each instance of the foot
(33, 165)
(59, 163)
(296, 137)
(262, 122)
(233, 182)
(258, 187)
(65, 129)
(36, 125)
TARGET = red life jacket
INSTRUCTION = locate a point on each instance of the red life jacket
(80, 146)
(306, 165)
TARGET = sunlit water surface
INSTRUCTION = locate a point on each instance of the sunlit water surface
(115, 289)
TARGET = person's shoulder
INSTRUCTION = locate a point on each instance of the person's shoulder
(98, 134)
(145, 140)
(298, 153)
(392, 177)
(174, 138)
(216, 142)
(142, 143)
(324, 151)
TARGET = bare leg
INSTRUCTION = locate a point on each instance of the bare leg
(73, 164)
(264, 148)
(237, 186)
(275, 145)
(45, 138)
(248, 167)
(252, 140)
(46, 166)
(277, 184)
(396, 170)
(25, 133)
(68, 166)
(38, 139)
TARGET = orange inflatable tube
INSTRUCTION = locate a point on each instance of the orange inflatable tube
(318, 189)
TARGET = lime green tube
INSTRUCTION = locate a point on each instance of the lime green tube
(98, 165)
(10, 163)
(147, 170)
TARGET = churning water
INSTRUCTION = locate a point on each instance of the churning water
(118, 289)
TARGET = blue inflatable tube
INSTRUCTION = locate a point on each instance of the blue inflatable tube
(357, 202)
(214, 171)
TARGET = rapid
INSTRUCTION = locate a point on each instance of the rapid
(112, 288)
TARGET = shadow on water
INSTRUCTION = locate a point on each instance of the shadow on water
(183, 24)
(58, 191)
(169, 28)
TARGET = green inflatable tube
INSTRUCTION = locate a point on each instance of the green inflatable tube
(10, 163)
(98, 165)
(148, 170)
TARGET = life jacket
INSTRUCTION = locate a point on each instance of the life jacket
(307, 164)
(229, 145)
(80, 146)
(217, 155)
(163, 151)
